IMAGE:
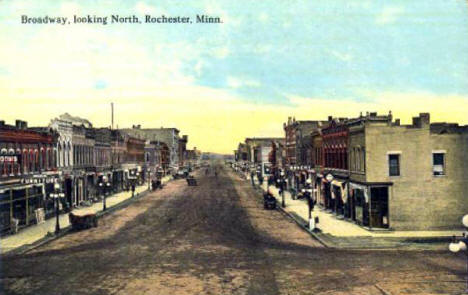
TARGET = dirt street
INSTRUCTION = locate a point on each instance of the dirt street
(216, 238)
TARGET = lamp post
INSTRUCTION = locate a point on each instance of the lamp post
(460, 244)
(104, 186)
(56, 195)
(310, 203)
(283, 204)
(149, 178)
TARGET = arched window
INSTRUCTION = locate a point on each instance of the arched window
(44, 158)
(67, 154)
(36, 160)
(60, 155)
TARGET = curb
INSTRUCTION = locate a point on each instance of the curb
(299, 221)
(68, 229)
(329, 244)
(302, 223)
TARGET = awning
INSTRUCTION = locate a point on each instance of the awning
(353, 185)
(337, 183)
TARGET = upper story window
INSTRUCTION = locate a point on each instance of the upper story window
(394, 164)
(363, 158)
(438, 163)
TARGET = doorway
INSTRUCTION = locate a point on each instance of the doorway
(379, 207)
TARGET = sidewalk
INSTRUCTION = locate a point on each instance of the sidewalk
(36, 232)
(336, 232)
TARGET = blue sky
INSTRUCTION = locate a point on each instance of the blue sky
(264, 53)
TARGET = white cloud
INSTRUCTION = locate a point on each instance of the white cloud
(198, 67)
(235, 82)
(389, 15)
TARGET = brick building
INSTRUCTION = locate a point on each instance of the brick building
(297, 140)
(27, 172)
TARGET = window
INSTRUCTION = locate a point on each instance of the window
(358, 159)
(394, 165)
(438, 164)
(363, 167)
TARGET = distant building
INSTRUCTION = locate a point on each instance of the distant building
(170, 136)
(298, 146)
(182, 146)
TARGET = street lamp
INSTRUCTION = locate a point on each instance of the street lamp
(282, 189)
(104, 186)
(460, 244)
(149, 178)
(309, 197)
(56, 195)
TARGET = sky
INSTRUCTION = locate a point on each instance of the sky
(220, 83)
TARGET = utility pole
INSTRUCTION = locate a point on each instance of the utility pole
(112, 115)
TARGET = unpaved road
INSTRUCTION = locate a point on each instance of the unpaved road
(217, 239)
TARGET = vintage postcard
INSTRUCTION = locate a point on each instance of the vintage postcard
(233, 147)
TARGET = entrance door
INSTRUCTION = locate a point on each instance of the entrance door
(379, 207)
(69, 191)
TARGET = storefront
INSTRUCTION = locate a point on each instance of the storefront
(360, 198)
(20, 202)
(339, 193)
(370, 205)
(117, 181)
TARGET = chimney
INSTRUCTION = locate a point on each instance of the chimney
(417, 122)
(373, 114)
(397, 122)
(24, 125)
(18, 124)
(330, 118)
(2, 123)
(425, 119)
